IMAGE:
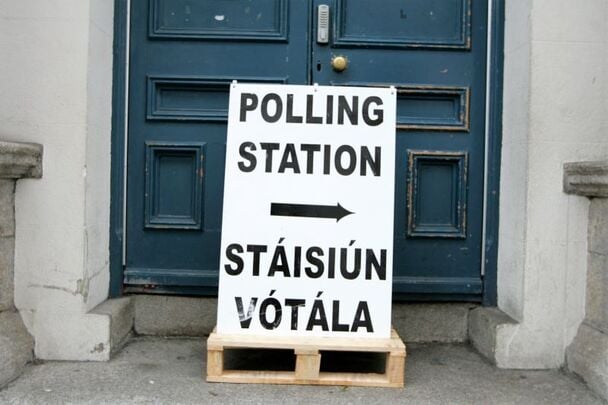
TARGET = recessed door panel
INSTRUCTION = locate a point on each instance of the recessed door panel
(403, 24)
(219, 19)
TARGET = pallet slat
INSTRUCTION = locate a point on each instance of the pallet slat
(323, 343)
(308, 364)
(308, 361)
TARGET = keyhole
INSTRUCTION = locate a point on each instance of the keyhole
(318, 66)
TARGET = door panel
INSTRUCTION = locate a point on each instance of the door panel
(225, 19)
(184, 54)
(400, 24)
(433, 52)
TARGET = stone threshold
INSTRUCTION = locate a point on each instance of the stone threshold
(160, 315)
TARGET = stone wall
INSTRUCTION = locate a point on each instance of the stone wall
(17, 160)
(56, 71)
(555, 109)
(587, 356)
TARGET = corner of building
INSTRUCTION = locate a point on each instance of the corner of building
(553, 109)
(59, 96)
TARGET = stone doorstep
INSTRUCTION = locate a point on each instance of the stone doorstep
(121, 313)
(15, 347)
(587, 357)
(158, 315)
(485, 328)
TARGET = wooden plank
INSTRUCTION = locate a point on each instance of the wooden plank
(395, 368)
(289, 378)
(308, 364)
(393, 343)
(215, 362)
(255, 377)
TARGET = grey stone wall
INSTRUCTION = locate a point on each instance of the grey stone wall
(17, 160)
(7, 242)
(587, 356)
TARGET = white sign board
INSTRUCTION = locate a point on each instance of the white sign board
(307, 234)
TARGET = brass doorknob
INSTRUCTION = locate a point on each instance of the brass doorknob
(339, 63)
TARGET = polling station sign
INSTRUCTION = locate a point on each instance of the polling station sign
(307, 233)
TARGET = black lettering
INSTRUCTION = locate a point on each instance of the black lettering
(352, 156)
(326, 158)
(310, 150)
(256, 250)
(379, 113)
(336, 326)
(331, 263)
(310, 118)
(295, 305)
(278, 313)
(362, 318)
(351, 111)
(290, 118)
(329, 116)
(245, 318)
(289, 160)
(249, 102)
(297, 261)
(279, 262)
(317, 316)
(312, 256)
(236, 259)
(278, 107)
(366, 160)
(247, 155)
(354, 273)
(269, 148)
(372, 261)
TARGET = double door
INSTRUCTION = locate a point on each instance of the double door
(185, 53)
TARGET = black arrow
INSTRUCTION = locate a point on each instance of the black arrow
(310, 211)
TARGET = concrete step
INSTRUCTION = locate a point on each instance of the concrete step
(16, 347)
(158, 315)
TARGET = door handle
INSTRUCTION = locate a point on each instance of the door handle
(323, 24)
(339, 63)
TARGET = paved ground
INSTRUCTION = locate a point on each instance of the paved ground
(159, 371)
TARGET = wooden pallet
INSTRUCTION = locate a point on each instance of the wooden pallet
(308, 360)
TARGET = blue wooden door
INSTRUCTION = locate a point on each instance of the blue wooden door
(433, 52)
(183, 55)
